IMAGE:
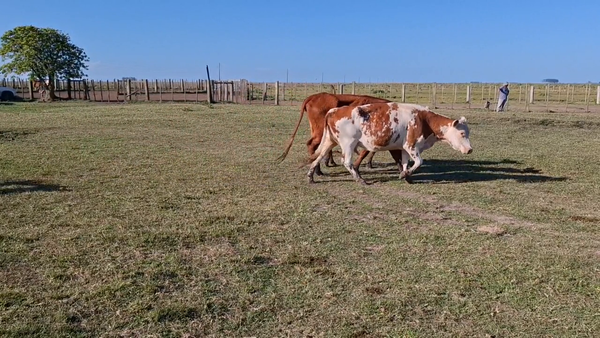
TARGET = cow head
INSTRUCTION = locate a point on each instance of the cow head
(456, 134)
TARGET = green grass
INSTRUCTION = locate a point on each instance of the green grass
(174, 220)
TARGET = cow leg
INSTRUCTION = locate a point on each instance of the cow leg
(329, 160)
(347, 150)
(415, 156)
(315, 164)
(403, 166)
(370, 160)
(397, 155)
(312, 144)
(360, 158)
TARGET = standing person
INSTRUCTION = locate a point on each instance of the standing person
(502, 97)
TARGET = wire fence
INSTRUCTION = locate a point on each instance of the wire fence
(523, 96)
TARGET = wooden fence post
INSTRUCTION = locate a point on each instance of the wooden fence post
(567, 100)
(183, 89)
(531, 94)
(598, 95)
(547, 97)
(403, 94)
(587, 97)
(160, 93)
(276, 93)
(128, 90)
(353, 87)
(86, 90)
(433, 95)
(92, 84)
(172, 91)
(469, 94)
(454, 100)
(209, 91)
(208, 86)
(146, 90)
(101, 92)
(264, 96)
(108, 91)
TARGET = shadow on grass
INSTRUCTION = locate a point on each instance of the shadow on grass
(18, 187)
(455, 171)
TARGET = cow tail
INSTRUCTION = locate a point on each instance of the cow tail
(289, 144)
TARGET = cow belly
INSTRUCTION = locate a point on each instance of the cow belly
(395, 141)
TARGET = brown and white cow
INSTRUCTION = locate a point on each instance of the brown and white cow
(376, 127)
(317, 106)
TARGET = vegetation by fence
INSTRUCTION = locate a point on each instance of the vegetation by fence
(548, 96)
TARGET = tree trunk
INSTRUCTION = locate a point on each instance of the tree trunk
(51, 94)
(69, 89)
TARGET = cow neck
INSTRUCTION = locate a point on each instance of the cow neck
(432, 123)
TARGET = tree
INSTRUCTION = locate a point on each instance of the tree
(42, 53)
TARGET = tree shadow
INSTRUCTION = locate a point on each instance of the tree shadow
(456, 171)
(18, 187)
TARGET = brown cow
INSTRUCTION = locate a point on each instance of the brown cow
(317, 106)
(409, 128)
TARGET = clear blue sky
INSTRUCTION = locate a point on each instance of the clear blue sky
(377, 41)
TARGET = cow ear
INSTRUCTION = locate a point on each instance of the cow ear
(455, 123)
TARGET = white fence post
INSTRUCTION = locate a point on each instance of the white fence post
(468, 93)
(531, 95)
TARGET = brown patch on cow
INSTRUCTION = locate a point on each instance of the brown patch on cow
(377, 123)
(394, 106)
(426, 123)
(492, 230)
(396, 120)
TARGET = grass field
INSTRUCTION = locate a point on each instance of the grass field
(174, 220)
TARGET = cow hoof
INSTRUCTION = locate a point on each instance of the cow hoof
(319, 172)
(404, 174)
(311, 180)
(363, 182)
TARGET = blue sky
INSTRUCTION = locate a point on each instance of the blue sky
(333, 41)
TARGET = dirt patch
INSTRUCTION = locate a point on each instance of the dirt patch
(13, 135)
(492, 230)
(585, 219)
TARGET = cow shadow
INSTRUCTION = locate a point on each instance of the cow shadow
(24, 186)
(456, 171)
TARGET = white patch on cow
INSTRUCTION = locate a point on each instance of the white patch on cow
(457, 136)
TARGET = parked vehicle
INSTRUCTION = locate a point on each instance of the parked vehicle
(7, 94)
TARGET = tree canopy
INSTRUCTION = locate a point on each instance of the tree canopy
(41, 53)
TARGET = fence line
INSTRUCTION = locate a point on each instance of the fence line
(549, 97)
